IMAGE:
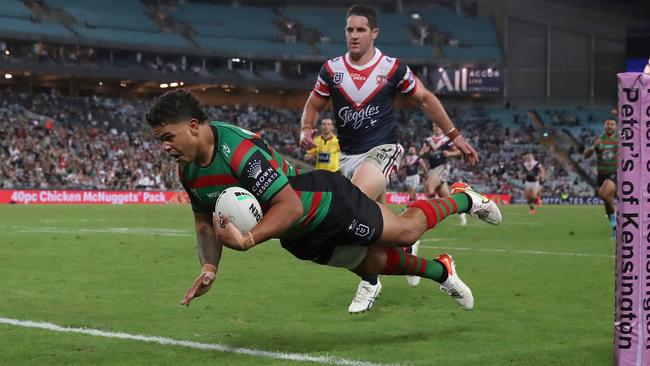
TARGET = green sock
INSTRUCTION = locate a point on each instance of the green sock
(438, 210)
(399, 262)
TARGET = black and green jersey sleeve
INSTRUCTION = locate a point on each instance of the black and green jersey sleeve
(241, 159)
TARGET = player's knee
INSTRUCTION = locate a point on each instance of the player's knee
(410, 233)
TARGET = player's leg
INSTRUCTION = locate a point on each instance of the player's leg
(607, 192)
(370, 180)
(443, 191)
(371, 177)
(531, 194)
(431, 185)
(385, 258)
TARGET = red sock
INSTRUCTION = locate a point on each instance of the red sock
(436, 210)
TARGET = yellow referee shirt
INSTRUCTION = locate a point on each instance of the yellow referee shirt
(326, 153)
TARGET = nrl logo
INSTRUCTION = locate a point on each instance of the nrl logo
(338, 78)
(226, 149)
(381, 79)
(255, 169)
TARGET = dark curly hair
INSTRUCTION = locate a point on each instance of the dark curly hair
(174, 107)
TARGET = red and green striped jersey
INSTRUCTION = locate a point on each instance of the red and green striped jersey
(243, 159)
(607, 154)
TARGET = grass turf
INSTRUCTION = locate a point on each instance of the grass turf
(543, 286)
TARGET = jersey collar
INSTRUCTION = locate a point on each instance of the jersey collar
(372, 61)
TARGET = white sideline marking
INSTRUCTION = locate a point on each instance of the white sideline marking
(329, 360)
(529, 251)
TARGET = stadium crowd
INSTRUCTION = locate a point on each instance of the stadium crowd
(55, 141)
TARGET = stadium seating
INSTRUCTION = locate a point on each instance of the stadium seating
(14, 9)
(114, 14)
(32, 28)
(132, 37)
(229, 22)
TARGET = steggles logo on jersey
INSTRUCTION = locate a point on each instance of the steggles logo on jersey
(254, 169)
(356, 118)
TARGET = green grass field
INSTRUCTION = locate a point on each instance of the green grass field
(543, 287)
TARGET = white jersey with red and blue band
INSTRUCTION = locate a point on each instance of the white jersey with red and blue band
(362, 97)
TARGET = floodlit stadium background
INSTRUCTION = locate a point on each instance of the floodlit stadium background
(515, 76)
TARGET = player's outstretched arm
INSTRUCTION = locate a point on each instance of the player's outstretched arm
(435, 112)
(310, 113)
(209, 250)
(285, 208)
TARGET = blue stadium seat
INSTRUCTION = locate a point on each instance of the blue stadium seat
(14, 9)
(119, 14)
(29, 27)
(130, 37)
(228, 21)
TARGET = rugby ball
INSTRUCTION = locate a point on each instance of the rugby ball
(241, 206)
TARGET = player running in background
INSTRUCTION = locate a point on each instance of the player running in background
(533, 173)
(606, 148)
(319, 216)
(327, 150)
(363, 84)
(439, 149)
(412, 164)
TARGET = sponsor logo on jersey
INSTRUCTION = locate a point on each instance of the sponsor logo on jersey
(381, 79)
(337, 78)
(357, 118)
(258, 174)
(357, 77)
(323, 157)
(264, 180)
(254, 169)
(225, 149)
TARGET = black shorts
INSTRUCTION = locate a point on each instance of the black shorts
(603, 177)
(352, 219)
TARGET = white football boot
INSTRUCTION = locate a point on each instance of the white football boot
(414, 280)
(454, 286)
(482, 207)
(365, 297)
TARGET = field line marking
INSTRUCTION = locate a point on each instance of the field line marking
(328, 360)
(529, 251)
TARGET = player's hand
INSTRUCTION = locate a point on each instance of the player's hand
(307, 138)
(228, 233)
(469, 154)
(201, 284)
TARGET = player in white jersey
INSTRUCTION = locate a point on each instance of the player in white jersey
(363, 84)
(439, 149)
